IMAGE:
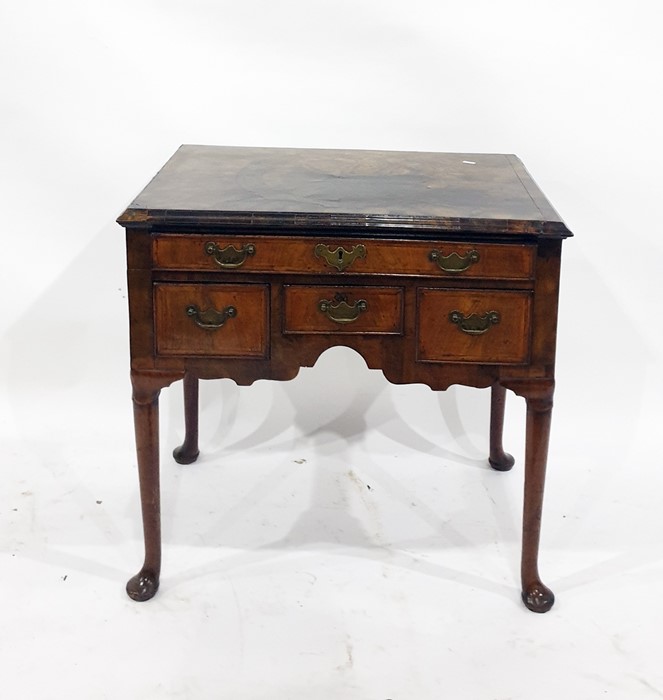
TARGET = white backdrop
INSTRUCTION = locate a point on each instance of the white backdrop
(96, 95)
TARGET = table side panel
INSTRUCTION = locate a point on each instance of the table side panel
(545, 307)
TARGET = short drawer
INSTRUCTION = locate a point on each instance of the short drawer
(491, 327)
(346, 256)
(212, 320)
(319, 309)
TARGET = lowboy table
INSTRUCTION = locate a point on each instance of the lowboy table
(438, 268)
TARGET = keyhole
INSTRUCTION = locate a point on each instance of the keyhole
(340, 254)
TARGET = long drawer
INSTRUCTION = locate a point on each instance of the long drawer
(347, 256)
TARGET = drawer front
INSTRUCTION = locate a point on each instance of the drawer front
(217, 320)
(334, 310)
(319, 256)
(491, 327)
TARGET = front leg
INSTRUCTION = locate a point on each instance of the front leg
(498, 459)
(536, 596)
(188, 452)
(146, 389)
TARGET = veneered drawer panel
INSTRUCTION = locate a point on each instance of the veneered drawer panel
(300, 255)
(491, 327)
(343, 309)
(241, 254)
(219, 320)
(452, 259)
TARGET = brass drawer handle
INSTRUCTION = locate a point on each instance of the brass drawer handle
(229, 257)
(474, 324)
(340, 258)
(210, 319)
(339, 311)
(454, 262)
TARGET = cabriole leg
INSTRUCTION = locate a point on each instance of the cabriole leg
(536, 596)
(188, 451)
(146, 421)
(146, 389)
(498, 459)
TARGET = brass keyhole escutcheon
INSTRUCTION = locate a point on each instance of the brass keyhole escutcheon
(340, 258)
